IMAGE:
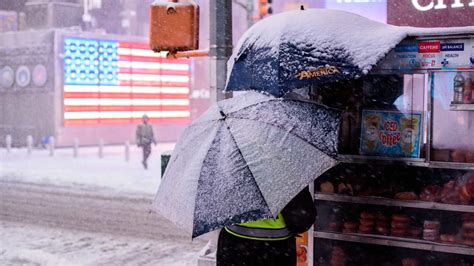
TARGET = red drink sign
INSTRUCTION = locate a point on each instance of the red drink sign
(429, 47)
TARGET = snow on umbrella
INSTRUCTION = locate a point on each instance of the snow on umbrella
(244, 160)
(295, 49)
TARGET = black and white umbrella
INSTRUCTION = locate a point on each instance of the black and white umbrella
(244, 160)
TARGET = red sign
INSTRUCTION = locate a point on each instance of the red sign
(431, 13)
(429, 47)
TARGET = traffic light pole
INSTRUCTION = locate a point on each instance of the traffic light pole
(249, 13)
(248, 9)
(220, 46)
(220, 49)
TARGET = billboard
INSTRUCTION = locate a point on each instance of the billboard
(117, 82)
(431, 13)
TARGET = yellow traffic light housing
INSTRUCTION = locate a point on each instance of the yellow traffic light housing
(264, 8)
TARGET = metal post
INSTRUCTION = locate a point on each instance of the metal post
(310, 258)
(51, 146)
(8, 143)
(220, 33)
(250, 8)
(101, 148)
(29, 144)
(76, 147)
(220, 49)
(127, 151)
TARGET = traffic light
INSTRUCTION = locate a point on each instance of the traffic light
(264, 8)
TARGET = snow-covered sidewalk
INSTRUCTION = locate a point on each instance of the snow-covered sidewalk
(35, 245)
(118, 194)
(112, 173)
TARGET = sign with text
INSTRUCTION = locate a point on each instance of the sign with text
(433, 54)
(390, 133)
(431, 13)
(456, 53)
(428, 54)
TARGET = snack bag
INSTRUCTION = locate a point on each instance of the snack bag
(409, 125)
(372, 126)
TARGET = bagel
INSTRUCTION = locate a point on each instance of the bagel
(367, 215)
(351, 225)
(468, 225)
(401, 218)
(367, 222)
(399, 225)
(445, 238)
(431, 225)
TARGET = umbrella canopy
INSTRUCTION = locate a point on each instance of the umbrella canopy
(244, 160)
(316, 46)
(298, 48)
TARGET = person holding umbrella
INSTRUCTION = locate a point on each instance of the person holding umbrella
(267, 242)
(145, 137)
(248, 175)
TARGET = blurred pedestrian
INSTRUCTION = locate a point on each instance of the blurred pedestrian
(44, 142)
(267, 242)
(145, 137)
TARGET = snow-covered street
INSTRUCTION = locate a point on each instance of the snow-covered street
(52, 212)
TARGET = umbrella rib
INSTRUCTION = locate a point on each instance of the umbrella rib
(245, 161)
(276, 126)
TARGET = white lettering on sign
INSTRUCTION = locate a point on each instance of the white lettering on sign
(439, 4)
(422, 8)
(457, 3)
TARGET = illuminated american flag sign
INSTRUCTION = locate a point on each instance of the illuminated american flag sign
(114, 82)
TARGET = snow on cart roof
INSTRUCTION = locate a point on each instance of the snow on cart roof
(366, 41)
(436, 32)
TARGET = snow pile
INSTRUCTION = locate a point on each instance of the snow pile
(111, 174)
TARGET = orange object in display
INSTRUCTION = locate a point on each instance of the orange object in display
(302, 250)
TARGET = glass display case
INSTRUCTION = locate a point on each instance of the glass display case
(404, 191)
(453, 117)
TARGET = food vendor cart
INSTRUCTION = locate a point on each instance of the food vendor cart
(403, 193)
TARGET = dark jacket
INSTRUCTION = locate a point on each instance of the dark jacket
(299, 215)
(145, 135)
